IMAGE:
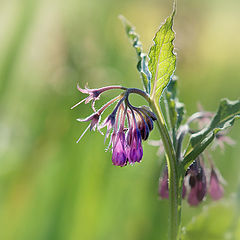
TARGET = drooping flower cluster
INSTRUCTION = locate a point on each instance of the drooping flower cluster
(127, 125)
(198, 181)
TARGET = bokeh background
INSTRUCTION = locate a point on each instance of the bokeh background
(51, 187)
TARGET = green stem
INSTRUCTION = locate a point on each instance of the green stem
(174, 186)
(175, 175)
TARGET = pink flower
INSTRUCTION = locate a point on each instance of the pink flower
(215, 188)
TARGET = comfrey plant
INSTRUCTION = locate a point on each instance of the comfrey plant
(189, 173)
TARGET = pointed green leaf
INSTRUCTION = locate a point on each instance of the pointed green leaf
(162, 60)
(142, 64)
(227, 113)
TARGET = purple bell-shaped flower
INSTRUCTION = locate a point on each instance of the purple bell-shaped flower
(135, 150)
(163, 185)
(197, 182)
(119, 157)
(215, 188)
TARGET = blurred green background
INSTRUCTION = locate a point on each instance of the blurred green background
(53, 188)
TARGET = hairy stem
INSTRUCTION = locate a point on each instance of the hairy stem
(174, 183)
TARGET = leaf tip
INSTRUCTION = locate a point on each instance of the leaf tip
(121, 18)
(174, 7)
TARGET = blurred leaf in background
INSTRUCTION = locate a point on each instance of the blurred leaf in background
(53, 188)
(213, 223)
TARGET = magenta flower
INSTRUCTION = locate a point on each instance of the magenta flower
(119, 156)
(184, 190)
(215, 188)
(127, 125)
(109, 122)
(163, 189)
(94, 118)
(163, 185)
(94, 94)
(135, 151)
(222, 139)
(143, 128)
(197, 183)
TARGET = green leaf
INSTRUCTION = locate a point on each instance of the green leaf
(213, 223)
(176, 108)
(142, 64)
(227, 113)
(162, 60)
